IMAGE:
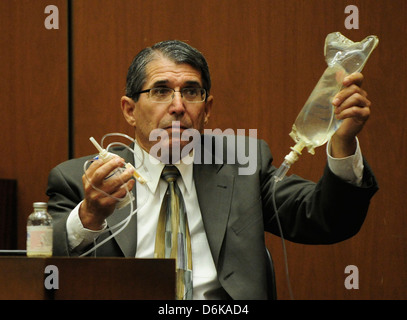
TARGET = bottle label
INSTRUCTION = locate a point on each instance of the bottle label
(39, 240)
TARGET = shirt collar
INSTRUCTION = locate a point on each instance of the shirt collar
(147, 166)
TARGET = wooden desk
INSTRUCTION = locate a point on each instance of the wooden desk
(22, 278)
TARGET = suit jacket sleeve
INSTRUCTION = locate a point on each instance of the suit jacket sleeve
(65, 191)
(329, 211)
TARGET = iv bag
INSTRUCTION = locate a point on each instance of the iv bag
(316, 122)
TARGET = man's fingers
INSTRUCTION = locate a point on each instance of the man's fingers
(346, 93)
(354, 78)
(356, 100)
(105, 170)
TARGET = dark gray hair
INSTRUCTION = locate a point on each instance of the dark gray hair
(175, 50)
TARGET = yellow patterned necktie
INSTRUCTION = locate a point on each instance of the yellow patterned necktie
(173, 239)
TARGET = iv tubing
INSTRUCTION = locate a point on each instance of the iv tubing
(282, 238)
(289, 160)
(124, 221)
(136, 175)
(96, 188)
(279, 174)
(133, 211)
(116, 134)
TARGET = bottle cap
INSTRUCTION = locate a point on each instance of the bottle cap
(40, 205)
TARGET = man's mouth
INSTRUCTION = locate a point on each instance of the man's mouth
(176, 126)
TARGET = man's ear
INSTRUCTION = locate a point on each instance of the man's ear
(208, 108)
(128, 107)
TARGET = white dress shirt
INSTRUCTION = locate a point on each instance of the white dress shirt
(149, 198)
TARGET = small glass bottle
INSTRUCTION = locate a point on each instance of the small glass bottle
(39, 231)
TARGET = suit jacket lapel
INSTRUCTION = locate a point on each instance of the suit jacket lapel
(126, 239)
(214, 191)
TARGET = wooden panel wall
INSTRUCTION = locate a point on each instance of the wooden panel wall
(33, 99)
(265, 58)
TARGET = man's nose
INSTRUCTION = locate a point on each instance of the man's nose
(177, 104)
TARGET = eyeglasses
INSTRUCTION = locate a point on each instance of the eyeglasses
(166, 95)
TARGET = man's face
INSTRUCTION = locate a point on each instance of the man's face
(146, 115)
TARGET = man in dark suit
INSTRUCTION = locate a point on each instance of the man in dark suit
(168, 89)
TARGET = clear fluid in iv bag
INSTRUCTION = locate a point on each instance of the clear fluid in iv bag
(316, 122)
